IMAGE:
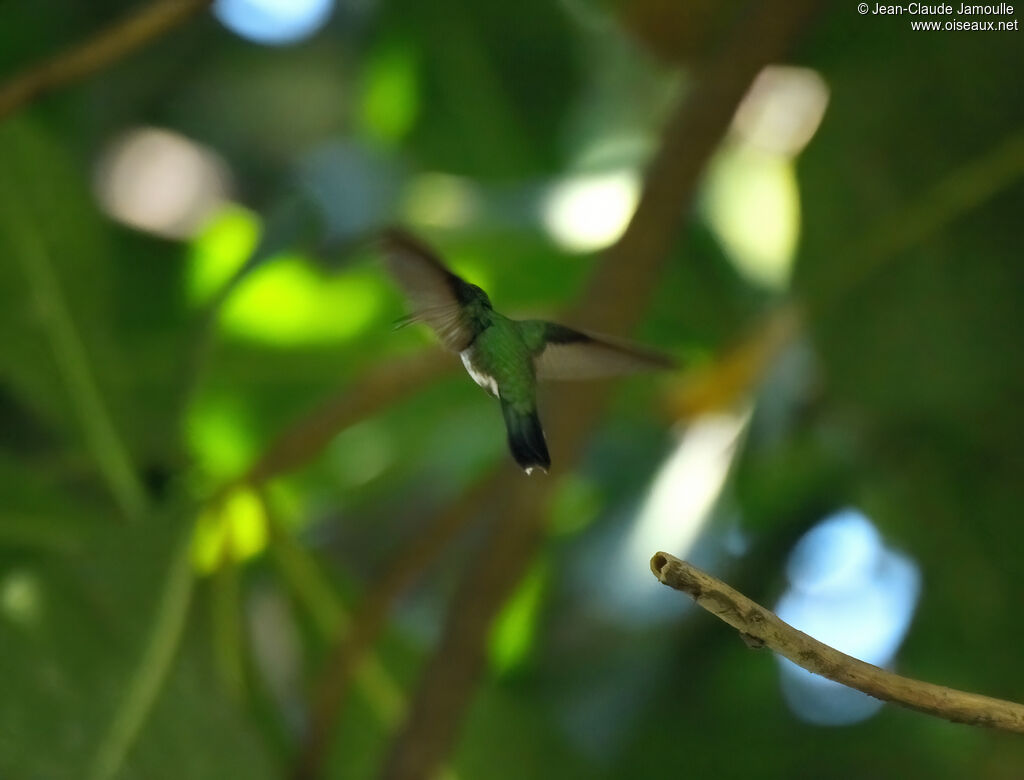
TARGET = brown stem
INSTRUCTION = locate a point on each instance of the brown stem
(618, 294)
(458, 663)
(762, 628)
(351, 649)
(378, 388)
(106, 47)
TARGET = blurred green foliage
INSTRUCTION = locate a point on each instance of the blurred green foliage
(147, 632)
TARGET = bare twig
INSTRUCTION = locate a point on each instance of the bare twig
(761, 627)
(106, 47)
(618, 294)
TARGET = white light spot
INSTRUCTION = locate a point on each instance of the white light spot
(687, 486)
(160, 182)
(273, 22)
(591, 211)
(680, 500)
(783, 109)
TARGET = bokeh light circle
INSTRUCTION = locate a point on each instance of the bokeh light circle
(273, 22)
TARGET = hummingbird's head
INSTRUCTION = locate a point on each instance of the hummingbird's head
(481, 297)
(470, 295)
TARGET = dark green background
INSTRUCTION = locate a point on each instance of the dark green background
(909, 263)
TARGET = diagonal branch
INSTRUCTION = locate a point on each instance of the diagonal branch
(762, 628)
(314, 592)
(106, 47)
(962, 191)
(352, 648)
(72, 360)
(377, 388)
(618, 295)
(155, 666)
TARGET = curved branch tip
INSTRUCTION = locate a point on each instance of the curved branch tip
(760, 627)
(658, 563)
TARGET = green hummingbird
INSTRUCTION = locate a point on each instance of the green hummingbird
(505, 357)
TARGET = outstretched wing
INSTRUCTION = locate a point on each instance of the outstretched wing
(565, 353)
(434, 292)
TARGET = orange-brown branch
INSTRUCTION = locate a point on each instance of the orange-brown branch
(106, 47)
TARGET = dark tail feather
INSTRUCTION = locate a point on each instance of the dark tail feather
(526, 438)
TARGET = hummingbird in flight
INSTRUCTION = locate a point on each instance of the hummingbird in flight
(505, 357)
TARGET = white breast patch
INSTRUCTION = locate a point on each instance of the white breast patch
(482, 379)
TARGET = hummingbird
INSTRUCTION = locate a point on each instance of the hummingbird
(505, 357)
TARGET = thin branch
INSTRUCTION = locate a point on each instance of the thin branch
(315, 594)
(154, 666)
(349, 653)
(617, 296)
(227, 631)
(106, 47)
(963, 190)
(379, 387)
(70, 355)
(762, 628)
(447, 683)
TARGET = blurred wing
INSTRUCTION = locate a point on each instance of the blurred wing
(433, 291)
(572, 354)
